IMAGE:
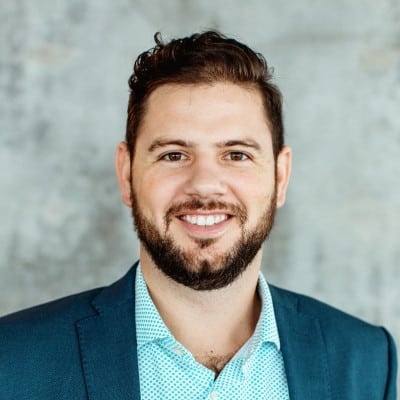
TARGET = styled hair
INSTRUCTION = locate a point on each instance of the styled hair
(202, 58)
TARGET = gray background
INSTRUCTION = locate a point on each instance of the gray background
(64, 67)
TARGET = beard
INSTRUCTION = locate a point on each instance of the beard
(190, 267)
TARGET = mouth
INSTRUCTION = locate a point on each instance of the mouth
(204, 219)
(205, 225)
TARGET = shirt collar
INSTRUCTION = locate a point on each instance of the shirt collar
(269, 329)
(150, 326)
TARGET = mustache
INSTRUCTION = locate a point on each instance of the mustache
(200, 205)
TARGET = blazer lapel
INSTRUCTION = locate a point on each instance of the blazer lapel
(108, 344)
(303, 349)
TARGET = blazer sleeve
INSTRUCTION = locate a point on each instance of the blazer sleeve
(390, 393)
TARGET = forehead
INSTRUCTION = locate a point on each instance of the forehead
(219, 110)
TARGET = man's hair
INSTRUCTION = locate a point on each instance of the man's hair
(202, 58)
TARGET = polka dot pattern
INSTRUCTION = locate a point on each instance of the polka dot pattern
(167, 370)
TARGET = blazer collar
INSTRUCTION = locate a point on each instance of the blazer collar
(108, 343)
(303, 348)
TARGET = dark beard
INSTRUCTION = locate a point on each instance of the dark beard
(186, 267)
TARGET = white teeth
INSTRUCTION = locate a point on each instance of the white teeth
(205, 220)
(220, 218)
(210, 220)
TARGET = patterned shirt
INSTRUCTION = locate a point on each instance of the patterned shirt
(168, 371)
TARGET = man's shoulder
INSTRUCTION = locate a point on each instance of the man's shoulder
(47, 341)
(339, 328)
(314, 308)
(42, 341)
(359, 356)
(55, 316)
(74, 307)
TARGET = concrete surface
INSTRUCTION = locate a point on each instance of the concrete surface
(63, 94)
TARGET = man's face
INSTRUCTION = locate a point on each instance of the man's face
(203, 189)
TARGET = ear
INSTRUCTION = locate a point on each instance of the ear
(283, 169)
(123, 169)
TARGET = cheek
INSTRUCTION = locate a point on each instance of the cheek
(156, 193)
(254, 186)
(255, 192)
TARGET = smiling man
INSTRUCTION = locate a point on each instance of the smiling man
(202, 183)
(204, 169)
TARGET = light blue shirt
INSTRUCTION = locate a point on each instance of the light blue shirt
(168, 371)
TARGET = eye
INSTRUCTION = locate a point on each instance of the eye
(173, 156)
(237, 156)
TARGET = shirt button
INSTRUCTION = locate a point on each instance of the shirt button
(213, 396)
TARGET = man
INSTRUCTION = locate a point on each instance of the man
(204, 168)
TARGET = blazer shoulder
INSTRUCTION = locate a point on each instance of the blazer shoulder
(76, 306)
(341, 331)
(41, 348)
(39, 345)
(64, 311)
(327, 314)
(356, 351)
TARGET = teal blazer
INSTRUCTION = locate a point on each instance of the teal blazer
(84, 347)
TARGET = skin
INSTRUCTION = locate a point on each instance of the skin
(207, 142)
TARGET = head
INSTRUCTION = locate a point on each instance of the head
(204, 166)
(203, 58)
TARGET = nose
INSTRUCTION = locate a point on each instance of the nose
(205, 179)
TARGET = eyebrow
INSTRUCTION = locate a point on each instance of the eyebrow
(156, 144)
(246, 143)
(166, 142)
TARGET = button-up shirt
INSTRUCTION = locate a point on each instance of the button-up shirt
(168, 371)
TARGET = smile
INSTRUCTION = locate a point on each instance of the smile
(204, 220)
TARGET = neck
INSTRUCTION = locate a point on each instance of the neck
(211, 324)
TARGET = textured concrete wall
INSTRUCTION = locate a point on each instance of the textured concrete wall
(64, 67)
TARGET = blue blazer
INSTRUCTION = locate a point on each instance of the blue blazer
(84, 347)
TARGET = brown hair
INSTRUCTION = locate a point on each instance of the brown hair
(201, 58)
